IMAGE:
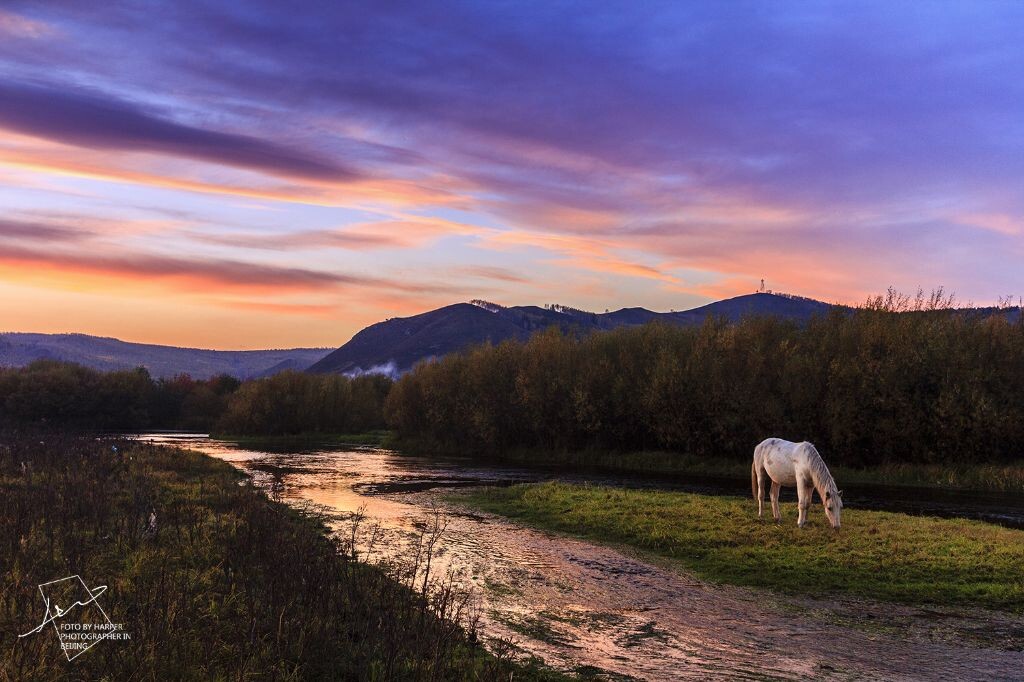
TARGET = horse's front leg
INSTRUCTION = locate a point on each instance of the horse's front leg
(775, 502)
(803, 493)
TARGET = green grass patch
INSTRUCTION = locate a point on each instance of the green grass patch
(880, 555)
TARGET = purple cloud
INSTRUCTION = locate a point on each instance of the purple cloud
(867, 124)
(88, 119)
(40, 232)
(888, 100)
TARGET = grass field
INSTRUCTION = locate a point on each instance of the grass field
(209, 577)
(881, 555)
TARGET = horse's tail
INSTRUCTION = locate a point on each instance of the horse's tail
(753, 479)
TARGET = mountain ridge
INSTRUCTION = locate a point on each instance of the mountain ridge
(105, 353)
(398, 343)
(394, 345)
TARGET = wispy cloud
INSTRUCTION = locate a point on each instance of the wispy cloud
(102, 122)
(494, 273)
(363, 236)
(195, 274)
(577, 251)
(17, 26)
(22, 230)
(54, 157)
(623, 155)
(281, 308)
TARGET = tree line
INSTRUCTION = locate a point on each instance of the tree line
(896, 380)
(295, 402)
(61, 395)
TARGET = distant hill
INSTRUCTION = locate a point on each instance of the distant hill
(398, 343)
(17, 350)
(794, 308)
(395, 345)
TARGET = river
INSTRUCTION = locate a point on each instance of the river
(578, 605)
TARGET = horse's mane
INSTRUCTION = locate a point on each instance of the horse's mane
(823, 481)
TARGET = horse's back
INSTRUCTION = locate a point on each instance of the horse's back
(778, 457)
(770, 444)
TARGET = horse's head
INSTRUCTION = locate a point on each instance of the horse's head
(834, 507)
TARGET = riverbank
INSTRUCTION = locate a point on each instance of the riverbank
(379, 438)
(208, 577)
(1002, 478)
(876, 555)
(584, 607)
(999, 478)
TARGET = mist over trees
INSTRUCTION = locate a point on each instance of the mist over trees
(897, 380)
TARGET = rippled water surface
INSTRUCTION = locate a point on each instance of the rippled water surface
(576, 604)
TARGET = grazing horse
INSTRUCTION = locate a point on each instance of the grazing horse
(796, 464)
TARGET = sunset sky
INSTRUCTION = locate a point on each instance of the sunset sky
(263, 175)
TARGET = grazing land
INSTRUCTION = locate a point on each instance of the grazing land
(221, 582)
(878, 555)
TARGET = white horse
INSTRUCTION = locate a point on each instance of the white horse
(796, 464)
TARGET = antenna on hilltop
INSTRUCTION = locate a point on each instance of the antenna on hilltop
(761, 290)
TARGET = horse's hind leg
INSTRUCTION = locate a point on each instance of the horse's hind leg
(760, 492)
(775, 502)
